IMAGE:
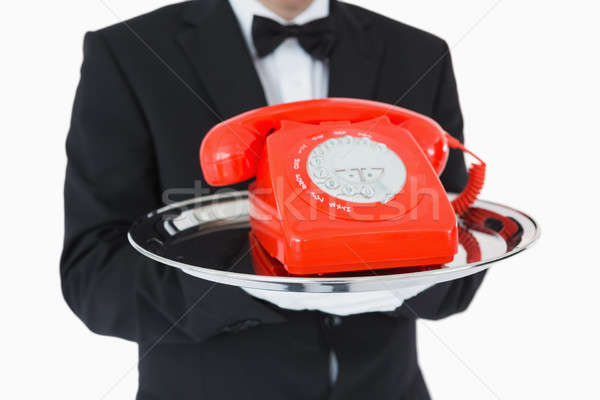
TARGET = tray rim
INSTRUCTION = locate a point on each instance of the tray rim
(235, 278)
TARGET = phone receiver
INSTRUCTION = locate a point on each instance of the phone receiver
(230, 151)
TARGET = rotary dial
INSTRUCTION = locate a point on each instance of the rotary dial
(356, 169)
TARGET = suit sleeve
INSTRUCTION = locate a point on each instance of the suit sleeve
(455, 296)
(111, 179)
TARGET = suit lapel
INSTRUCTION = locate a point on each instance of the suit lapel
(218, 52)
(355, 60)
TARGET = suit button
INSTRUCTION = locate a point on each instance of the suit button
(332, 321)
(240, 326)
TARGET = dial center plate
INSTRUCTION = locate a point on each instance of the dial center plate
(356, 169)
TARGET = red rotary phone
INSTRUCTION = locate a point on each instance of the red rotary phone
(342, 184)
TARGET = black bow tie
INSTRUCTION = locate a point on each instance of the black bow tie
(316, 37)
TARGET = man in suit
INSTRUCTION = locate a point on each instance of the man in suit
(150, 88)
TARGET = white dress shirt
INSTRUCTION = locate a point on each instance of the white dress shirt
(288, 73)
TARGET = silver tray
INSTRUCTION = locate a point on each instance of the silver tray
(176, 234)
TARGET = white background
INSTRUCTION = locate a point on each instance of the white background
(528, 79)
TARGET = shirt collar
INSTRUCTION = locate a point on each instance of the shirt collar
(245, 10)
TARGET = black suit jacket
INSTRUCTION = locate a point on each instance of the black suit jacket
(150, 89)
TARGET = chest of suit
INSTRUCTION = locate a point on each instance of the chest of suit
(186, 82)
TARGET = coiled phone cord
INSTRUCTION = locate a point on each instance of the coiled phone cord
(474, 184)
(470, 244)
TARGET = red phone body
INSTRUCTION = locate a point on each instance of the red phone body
(266, 265)
(341, 184)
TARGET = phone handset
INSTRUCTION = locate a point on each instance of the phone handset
(231, 150)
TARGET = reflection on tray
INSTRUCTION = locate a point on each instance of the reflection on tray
(489, 222)
(475, 219)
(177, 235)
